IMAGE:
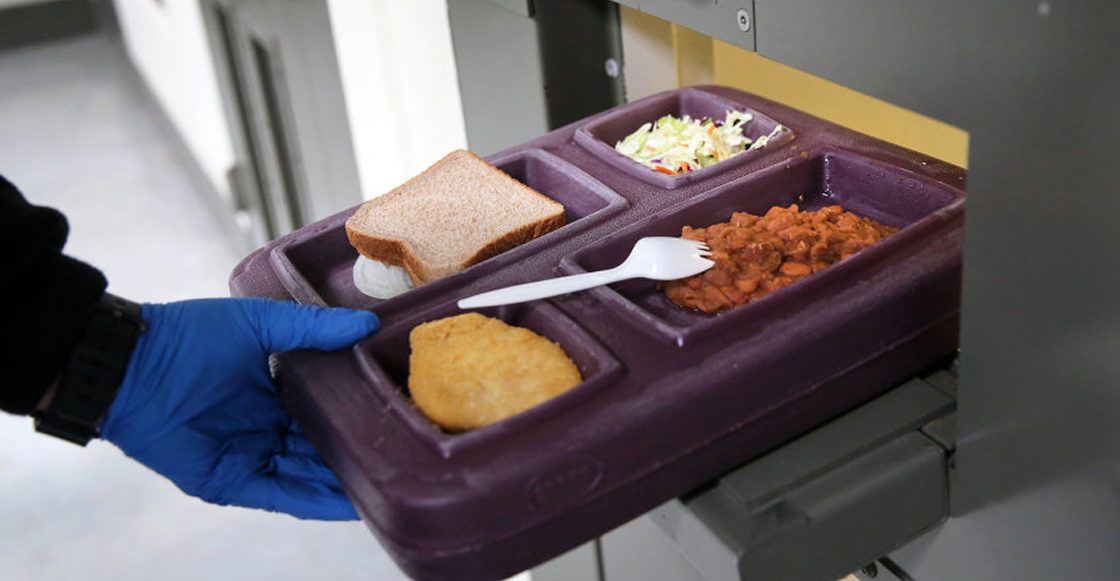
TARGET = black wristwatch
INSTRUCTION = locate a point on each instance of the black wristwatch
(89, 381)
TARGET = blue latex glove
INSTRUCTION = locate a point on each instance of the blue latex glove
(198, 406)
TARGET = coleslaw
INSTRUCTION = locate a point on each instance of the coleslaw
(674, 145)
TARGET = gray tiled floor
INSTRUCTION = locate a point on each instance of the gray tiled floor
(75, 135)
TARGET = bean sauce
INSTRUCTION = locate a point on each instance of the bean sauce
(757, 255)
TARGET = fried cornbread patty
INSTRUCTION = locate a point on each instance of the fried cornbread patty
(471, 370)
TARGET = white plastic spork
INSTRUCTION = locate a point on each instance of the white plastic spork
(653, 257)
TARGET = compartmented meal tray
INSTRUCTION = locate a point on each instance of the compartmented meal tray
(670, 398)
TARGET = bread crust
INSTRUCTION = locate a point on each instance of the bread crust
(397, 252)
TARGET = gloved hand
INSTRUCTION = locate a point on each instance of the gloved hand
(198, 406)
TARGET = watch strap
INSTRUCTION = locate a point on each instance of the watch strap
(90, 380)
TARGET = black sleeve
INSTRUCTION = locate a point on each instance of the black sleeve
(46, 296)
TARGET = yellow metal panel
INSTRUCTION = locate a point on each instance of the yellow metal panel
(695, 59)
(746, 70)
(659, 55)
(649, 64)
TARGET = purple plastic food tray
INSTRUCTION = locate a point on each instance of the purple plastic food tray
(671, 398)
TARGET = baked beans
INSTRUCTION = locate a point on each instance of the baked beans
(757, 255)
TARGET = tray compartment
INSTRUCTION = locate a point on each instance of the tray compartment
(601, 135)
(865, 187)
(317, 268)
(384, 361)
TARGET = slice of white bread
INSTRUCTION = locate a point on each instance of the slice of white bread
(458, 212)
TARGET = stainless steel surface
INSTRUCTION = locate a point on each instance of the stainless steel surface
(580, 564)
(907, 408)
(843, 494)
(520, 7)
(640, 551)
(716, 18)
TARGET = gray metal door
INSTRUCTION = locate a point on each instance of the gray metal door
(528, 66)
(283, 96)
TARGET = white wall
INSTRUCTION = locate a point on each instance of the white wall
(167, 44)
(400, 84)
(398, 78)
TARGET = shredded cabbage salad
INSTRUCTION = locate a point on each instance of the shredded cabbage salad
(674, 145)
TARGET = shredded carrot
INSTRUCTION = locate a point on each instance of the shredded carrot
(685, 166)
(711, 129)
(651, 148)
(665, 170)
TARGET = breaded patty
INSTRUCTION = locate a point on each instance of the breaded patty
(470, 370)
